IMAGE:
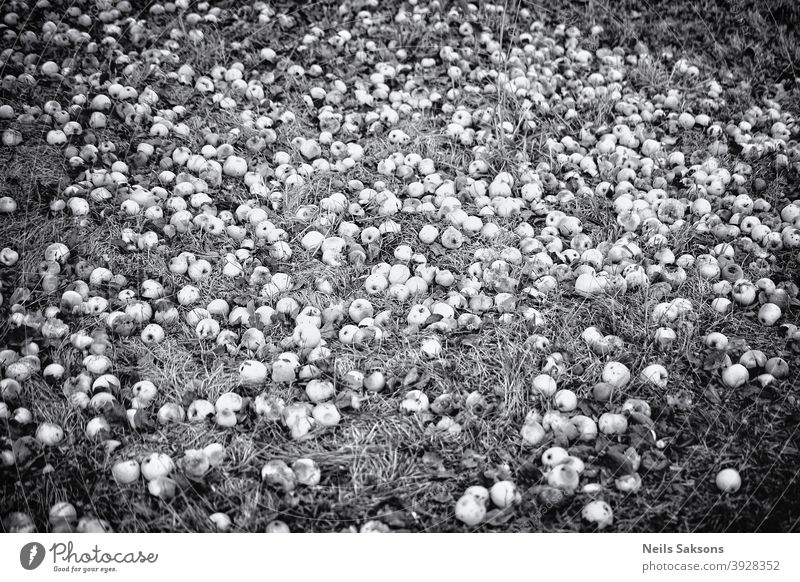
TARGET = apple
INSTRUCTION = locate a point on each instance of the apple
(629, 483)
(717, 341)
(49, 434)
(470, 510)
(566, 400)
(98, 428)
(545, 385)
(728, 480)
(554, 456)
(414, 401)
(278, 474)
(18, 522)
(277, 526)
(603, 391)
(431, 348)
(451, 238)
(376, 284)
(326, 414)
(215, 453)
(611, 423)
(428, 234)
(229, 401)
(445, 278)
(744, 292)
(252, 372)
(7, 205)
(162, 487)
(532, 432)
(655, 374)
(157, 465)
(195, 463)
(320, 390)
(665, 337)
(598, 513)
(221, 521)
(503, 494)
(777, 367)
(9, 257)
(587, 428)
(563, 476)
(721, 305)
(225, 417)
(769, 313)
(284, 369)
(753, 359)
(765, 380)
(735, 376)
(307, 472)
(589, 284)
(360, 309)
(418, 315)
(575, 463)
(171, 412)
(375, 381)
(200, 410)
(125, 472)
(153, 333)
(62, 512)
(145, 392)
(616, 373)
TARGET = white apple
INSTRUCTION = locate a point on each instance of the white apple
(769, 313)
(157, 465)
(171, 412)
(220, 520)
(503, 494)
(326, 414)
(414, 401)
(470, 510)
(563, 476)
(587, 428)
(278, 474)
(195, 462)
(431, 348)
(125, 472)
(307, 472)
(665, 337)
(49, 434)
(375, 381)
(554, 456)
(728, 481)
(545, 385)
(735, 376)
(655, 374)
(611, 423)
(199, 410)
(63, 512)
(320, 390)
(277, 526)
(360, 309)
(162, 487)
(252, 372)
(598, 513)
(566, 400)
(616, 374)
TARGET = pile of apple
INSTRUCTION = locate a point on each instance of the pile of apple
(344, 248)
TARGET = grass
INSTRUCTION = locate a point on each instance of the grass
(381, 465)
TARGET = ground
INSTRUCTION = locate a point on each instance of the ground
(381, 467)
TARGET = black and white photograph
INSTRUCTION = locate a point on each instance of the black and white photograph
(421, 266)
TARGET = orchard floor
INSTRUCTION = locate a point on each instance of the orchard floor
(383, 468)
